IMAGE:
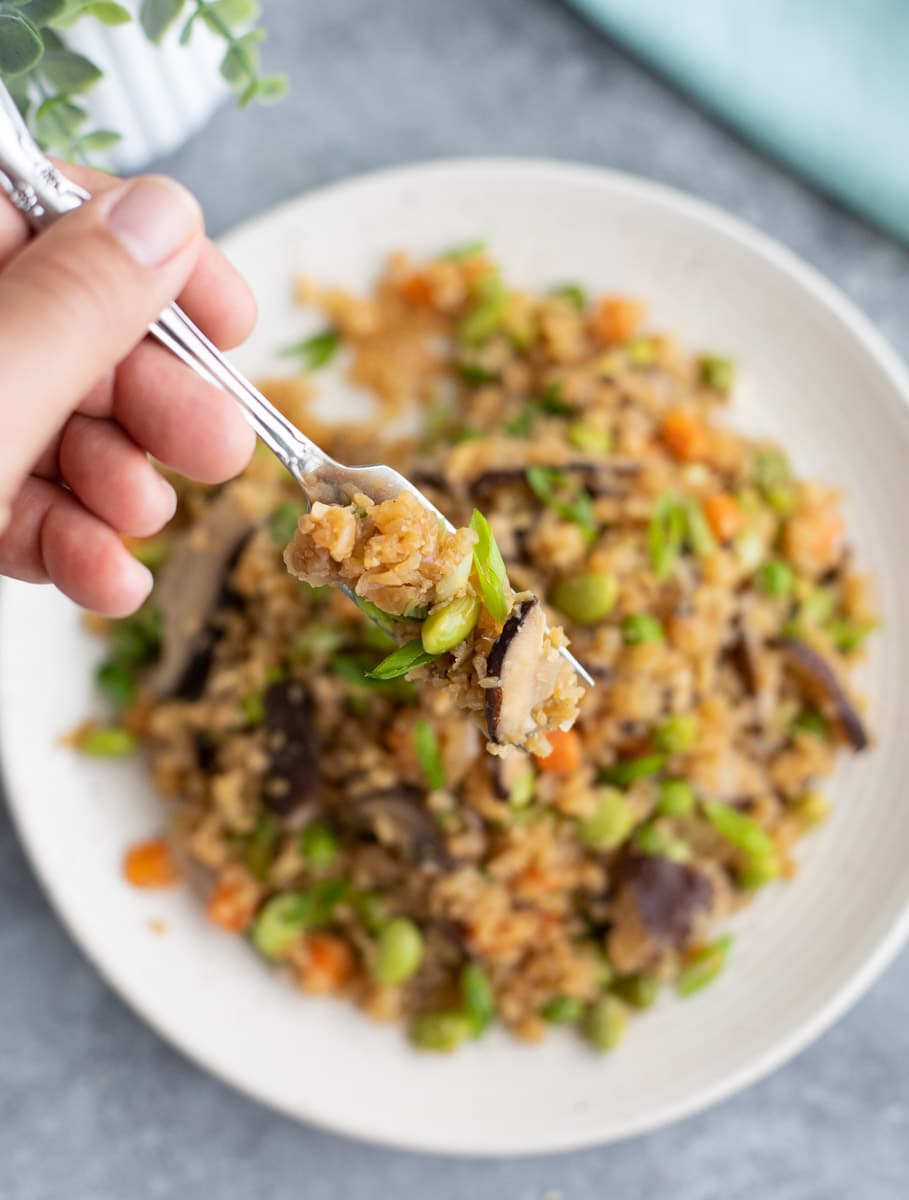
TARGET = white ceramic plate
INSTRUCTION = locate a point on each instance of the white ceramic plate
(816, 375)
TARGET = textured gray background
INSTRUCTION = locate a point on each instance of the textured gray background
(93, 1105)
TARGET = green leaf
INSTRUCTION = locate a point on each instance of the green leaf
(69, 72)
(98, 141)
(399, 662)
(157, 16)
(236, 67)
(108, 12)
(42, 12)
(316, 351)
(236, 15)
(21, 47)
(58, 121)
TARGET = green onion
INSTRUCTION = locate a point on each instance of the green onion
(585, 437)
(717, 373)
(610, 822)
(372, 910)
(565, 496)
(478, 998)
(490, 568)
(665, 535)
(316, 640)
(739, 830)
(848, 635)
(136, 640)
(749, 549)
(623, 774)
(641, 628)
(282, 523)
(640, 991)
(430, 756)
(522, 790)
(810, 721)
(549, 404)
(551, 401)
(316, 351)
(107, 743)
(776, 579)
(818, 606)
(283, 918)
(318, 845)
(771, 473)
(117, 682)
(675, 798)
(475, 373)
(399, 951)
(573, 293)
(521, 425)
(641, 352)
(441, 1031)
(697, 530)
(677, 734)
(811, 809)
(704, 966)
(406, 658)
(253, 708)
(562, 1010)
(482, 321)
(585, 598)
(465, 252)
(262, 844)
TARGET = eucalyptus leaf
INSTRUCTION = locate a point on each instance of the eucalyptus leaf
(42, 12)
(20, 44)
(157, 16)
(236, 15)
(69, 72)
(98, 141)
(58, 121)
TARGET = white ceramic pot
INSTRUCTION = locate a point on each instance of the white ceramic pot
(155, 96)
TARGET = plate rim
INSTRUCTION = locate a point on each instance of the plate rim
(851, 318)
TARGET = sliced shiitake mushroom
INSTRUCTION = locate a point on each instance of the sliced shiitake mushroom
(657, 906)
(293, 775)
(823, 683)
(611, 477)
(396, 818)
(526, 669)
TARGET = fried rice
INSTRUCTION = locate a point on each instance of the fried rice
(355, 828)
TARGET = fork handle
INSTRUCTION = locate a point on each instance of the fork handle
(43, 194)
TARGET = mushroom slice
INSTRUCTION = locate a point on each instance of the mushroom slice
(293, 776)
(527, 667)
(822, 681)
(192, 586)
(396, 819)
(658, 906)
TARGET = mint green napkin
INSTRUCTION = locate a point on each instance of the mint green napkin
(822, 84)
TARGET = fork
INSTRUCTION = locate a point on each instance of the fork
(43, 194)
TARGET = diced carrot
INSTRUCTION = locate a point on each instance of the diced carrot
(565, 756)
(723, 516)
(537, 879)
(231, 906)
(417, 289)
(150, 865)
(615, 319)
(684, 437)
(329, 963)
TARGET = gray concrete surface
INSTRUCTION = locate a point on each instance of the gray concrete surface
(93, 1106)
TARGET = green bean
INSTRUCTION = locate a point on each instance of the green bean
(318, 845)
(717, 373)
(448, 626)
(629, 771)
(739, 830)
(589, 439)
(640, 991)
(430, 756)
(478, 996)
(677, 735)
(441, 1031)
(776, 578)
(675, 798)
(610, 823)
(586, 598)
(490, 568)
(562, 1010)
(107, 743)
(399, 951)
(606, 1021)
(703, 966)
(262, 845)
(640, 628)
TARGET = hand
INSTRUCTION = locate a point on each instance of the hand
(84, 399)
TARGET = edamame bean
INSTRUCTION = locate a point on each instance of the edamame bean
(441, 1031)
(610, 822)
(675, 798)
(606, 1022)
(586, 598)
(676, 735)
(448, 626)
(399, 951)
(703, 966)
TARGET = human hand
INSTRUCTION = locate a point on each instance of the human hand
(84, 399)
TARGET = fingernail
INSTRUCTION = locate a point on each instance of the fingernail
(153, 218)
(139, 581)
(166, 490)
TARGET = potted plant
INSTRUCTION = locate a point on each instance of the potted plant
(98, 79)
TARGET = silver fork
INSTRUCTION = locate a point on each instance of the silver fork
(43, 195)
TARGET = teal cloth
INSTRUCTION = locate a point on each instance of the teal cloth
(822, 84)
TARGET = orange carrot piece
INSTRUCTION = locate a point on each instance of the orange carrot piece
(329, 963)
(683, 436)
(417, 290)
(723, 516)
(566, 753)
(150, 865)
(230, 905)
(616, 318)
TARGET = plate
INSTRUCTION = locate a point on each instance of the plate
(813, 373)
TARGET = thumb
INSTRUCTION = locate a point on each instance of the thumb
(77, 299)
